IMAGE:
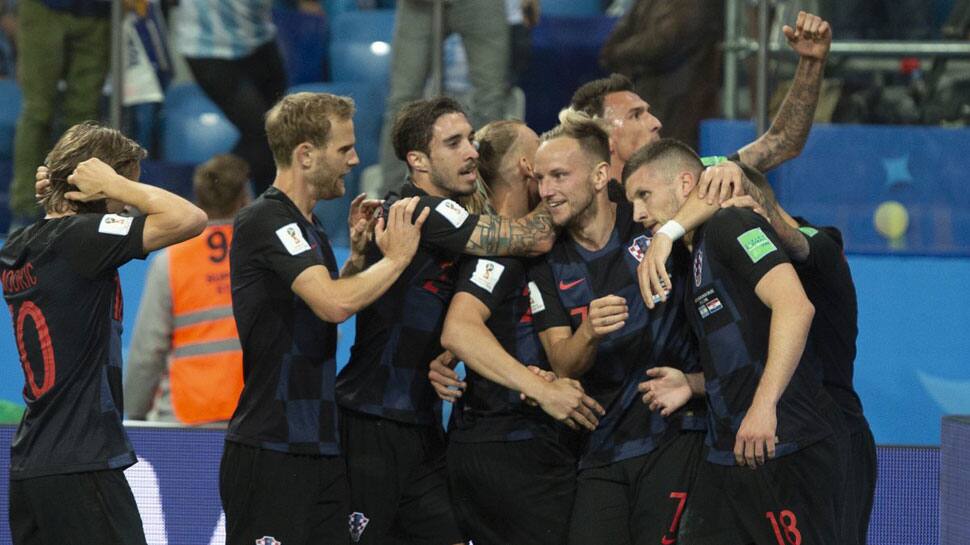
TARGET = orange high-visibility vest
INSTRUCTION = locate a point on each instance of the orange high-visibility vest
(205, 370)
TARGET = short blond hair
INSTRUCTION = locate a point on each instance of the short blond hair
(79, 143)
(303, 117)
(591, 133)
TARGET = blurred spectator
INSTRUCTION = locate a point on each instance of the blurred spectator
(8, 38)
(880, 19)
(670, 51)
(56, 39)
(230, 47)
(485, 34)
(185, 363)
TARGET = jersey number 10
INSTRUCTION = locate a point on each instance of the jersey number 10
(29, 310)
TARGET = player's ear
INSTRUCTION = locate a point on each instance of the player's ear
(301, 155)
(419, 161)
(601, 175)
(525, 168)
(687, 182)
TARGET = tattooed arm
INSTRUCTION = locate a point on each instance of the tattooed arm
(498, 235)
(786, 137)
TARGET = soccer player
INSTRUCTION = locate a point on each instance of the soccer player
(60, 281)
(392, 436)
(766, 405)
(632, 126)
(636, 467)
(512, 469)
(818, 258)
(282, 478)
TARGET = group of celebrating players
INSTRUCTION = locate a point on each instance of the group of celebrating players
(656, 351)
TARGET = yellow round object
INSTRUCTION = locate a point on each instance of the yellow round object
(891, 220)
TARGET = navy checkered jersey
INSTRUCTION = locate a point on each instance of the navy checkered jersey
(289, 366)
(828, 283)
(60, 281)
(400, 333)
(488, 411)
(731, 253)
(568, 279)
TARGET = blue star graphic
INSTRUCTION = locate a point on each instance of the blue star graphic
(897, 171)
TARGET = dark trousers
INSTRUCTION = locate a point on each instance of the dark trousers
(513, 492)
(640, 500)
(244, 89)
(77, 508)
(293, 499)
(860, 486)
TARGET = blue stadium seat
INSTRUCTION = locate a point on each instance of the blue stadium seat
(572, 8)
(174, 177)
(303, 39)
(336, 7)
(360, 46)
(367, 121)
(193, 128)
(10, 101)
(564, 50)
(9, 111)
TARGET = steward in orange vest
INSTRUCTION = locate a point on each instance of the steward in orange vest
(185, 361)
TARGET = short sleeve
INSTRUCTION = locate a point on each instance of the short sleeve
(99, 243)
(276, 239)
(825, 253)
(547, 309)
(449, 225)
(745, 242)
(491, 281)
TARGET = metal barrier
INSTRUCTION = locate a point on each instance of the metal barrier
(737, 47)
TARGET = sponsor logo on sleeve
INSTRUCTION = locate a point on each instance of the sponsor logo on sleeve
(756, 244)
(713, 160)
(292, 239)
(808, 231)
(487, 274)
(452, 211)
(535, 299)
(358, 523)
(113, 224)
(639, 247)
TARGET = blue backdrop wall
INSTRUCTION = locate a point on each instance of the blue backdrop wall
(914, 345)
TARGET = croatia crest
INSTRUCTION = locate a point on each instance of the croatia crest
(699, 268)
(639, 247)
(268, 540)
(358, 522)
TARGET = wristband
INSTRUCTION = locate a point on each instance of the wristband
(673, 230)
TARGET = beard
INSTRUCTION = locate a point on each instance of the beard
(327, 183)
(451, 185)
(585, 207)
